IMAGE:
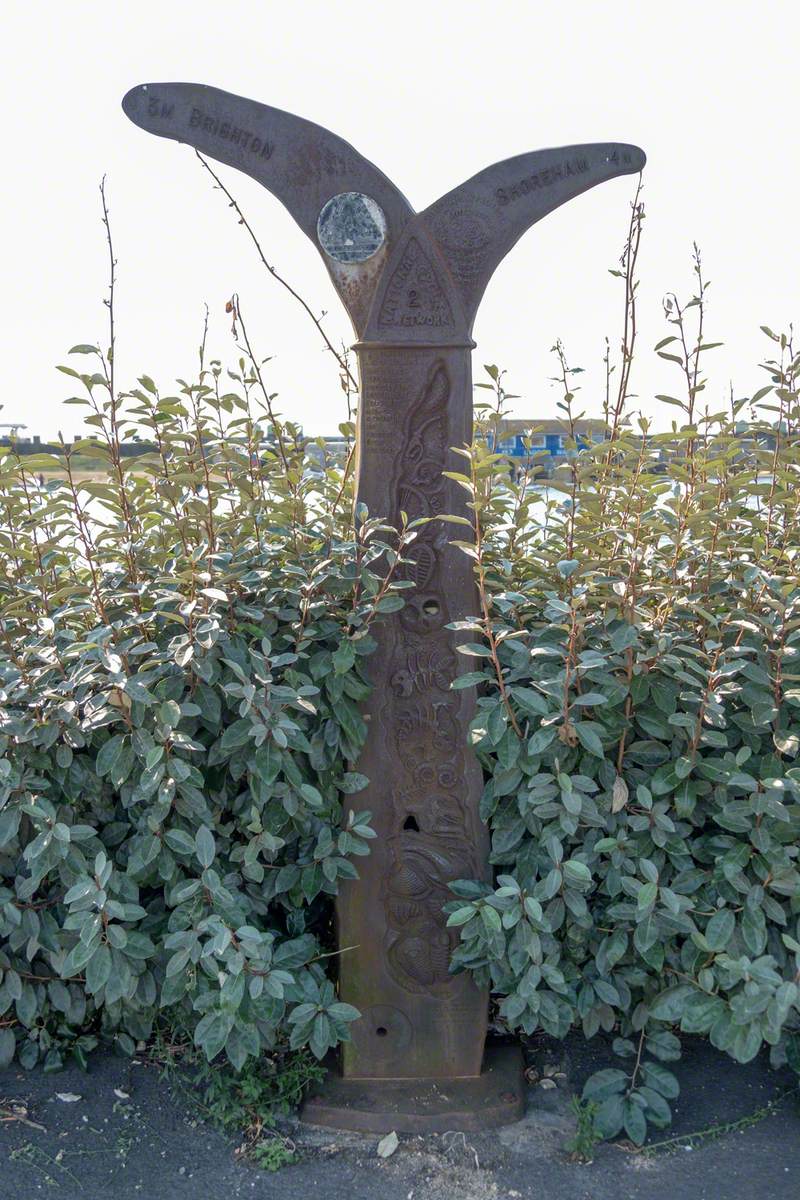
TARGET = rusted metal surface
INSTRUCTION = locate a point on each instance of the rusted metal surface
(412, 283)
(495, 1097)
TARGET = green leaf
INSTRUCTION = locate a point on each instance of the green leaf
(343, 1012)
(389, 604)
(664, 1045)
(590, 700)
(541, 740)
(589, 737)
(657, 1109)
(236, 1050)
(567, 567)
(170, 714)
(80, 890)
(577, 874)
(604, 1083)
(719, 930)
(108, 754)
(352, 782)
(236, 735)
(212, 1032)
(669, 1005)
(490, 917)
(9, 824)
(98, 969)
(321, 1034)
(793, 1053)
(624, 637)
(181, 842)
(8, 1045)
(660, 1080)
(311, 795)
(530, 700)
(205, 847)
(344, 657)
(747, 1043)
(635, 1122)
(469, 680)
(610, 1116)
(461, 916)
(77, 958)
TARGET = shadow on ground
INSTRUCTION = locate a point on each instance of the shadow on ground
(118, 1132)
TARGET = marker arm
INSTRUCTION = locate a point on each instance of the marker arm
(495, 207)
(301, 163)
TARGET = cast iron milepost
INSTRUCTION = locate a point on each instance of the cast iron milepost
(411, 283)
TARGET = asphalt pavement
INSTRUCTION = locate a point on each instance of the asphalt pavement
(119, 1132)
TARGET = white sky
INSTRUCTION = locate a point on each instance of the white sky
(432, 92)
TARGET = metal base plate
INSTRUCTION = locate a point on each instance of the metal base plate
(495, 1097)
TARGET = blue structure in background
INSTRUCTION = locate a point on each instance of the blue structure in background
(546, 440)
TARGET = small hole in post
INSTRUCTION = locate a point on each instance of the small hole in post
(411, 823)
(431, 607)
(381, 1031)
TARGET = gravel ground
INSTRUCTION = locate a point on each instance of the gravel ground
(120, 1133)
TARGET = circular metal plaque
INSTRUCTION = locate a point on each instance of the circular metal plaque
(351, 227)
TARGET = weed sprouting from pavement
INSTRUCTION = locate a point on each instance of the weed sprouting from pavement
(581, 1146)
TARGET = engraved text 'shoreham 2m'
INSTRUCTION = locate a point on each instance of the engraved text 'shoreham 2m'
(411, 283)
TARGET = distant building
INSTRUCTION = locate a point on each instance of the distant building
(526, 442)
(34, 445)
(544, 442)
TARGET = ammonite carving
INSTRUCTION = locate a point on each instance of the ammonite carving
(425, 667)
(419, 943)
